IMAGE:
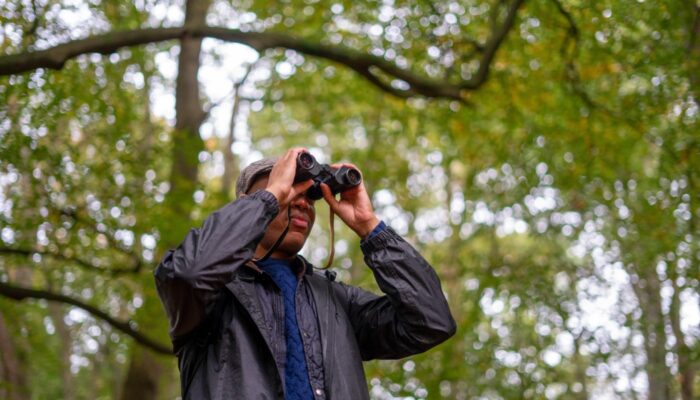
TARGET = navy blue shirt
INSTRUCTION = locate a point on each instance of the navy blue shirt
(297, 385)
(296, 377)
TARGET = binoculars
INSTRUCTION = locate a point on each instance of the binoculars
(337, 179)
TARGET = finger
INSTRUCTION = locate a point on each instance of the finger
(338, 165)
(301, 187)
(351, 192)
(281, 177)
(287, 162)
(349, 165)
(290, 158)
(294, 152)
(328, 196)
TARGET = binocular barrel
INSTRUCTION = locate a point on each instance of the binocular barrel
(305, 161)
(337, 179)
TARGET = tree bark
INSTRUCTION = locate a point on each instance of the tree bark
(186, 140)
(580, 363)
(14, 380)
(63, 331)
(686, 369)
(142, 378)
(230, 167)
(647, 291)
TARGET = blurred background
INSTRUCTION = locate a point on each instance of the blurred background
(543, 155)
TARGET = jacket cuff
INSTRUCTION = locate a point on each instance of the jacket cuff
(379, 240)
(268, 199)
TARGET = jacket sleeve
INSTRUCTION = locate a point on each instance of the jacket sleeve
(190, 277)
(412, 316)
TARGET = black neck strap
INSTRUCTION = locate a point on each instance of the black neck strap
(280, 239)
(286, 229)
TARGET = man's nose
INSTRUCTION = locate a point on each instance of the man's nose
(302, 201)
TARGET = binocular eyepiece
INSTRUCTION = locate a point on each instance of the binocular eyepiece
(337, 179)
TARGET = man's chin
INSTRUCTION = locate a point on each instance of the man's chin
(293, 243)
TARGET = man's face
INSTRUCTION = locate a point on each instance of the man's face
(302, 220)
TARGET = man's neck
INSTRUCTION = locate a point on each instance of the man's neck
(277, 254)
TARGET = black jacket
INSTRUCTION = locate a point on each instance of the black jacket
(353, 324)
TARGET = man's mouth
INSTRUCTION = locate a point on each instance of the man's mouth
(299, 222)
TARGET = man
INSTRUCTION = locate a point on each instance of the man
(249, 327)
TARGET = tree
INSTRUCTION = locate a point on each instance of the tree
(545, 158)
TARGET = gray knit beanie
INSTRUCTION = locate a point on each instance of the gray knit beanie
(252, 172)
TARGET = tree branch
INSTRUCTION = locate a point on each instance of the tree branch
(31, 30)
(56, 57)
(574, 77)
(80, 262)
(20, 293)
(230, 167)
(573, 28)
(572, 74)
(234, 93)
(489, 49)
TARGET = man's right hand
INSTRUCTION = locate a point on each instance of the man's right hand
(281, 180)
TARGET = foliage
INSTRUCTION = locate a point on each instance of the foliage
(558, 201)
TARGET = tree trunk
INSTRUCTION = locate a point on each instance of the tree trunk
(13, 384)
(57, 315)
(686, 369)
(647, 290)
(145, 369)
(143, 375)
(230, 167)
(186, 140)
(580, 364)
(188, 106)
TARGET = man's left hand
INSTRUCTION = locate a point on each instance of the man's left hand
(354, 206)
